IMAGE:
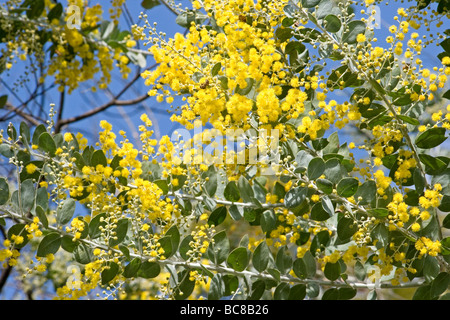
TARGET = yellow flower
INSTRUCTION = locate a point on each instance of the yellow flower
(446, 60)
(30, 168)
(361, 37)
(68, 137)
(415, 227)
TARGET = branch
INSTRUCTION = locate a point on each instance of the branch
(60, 112)
(31, 119)
(101, 108)
(113, 102)
(225, 270)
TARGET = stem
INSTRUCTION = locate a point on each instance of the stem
(225, 270)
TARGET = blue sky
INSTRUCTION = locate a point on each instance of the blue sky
(126, 118)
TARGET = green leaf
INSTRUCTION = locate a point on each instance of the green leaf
(310, 3)
(246, 90)
(312, 290)
(245, 189)
(217, 216)
(347, 187)
(440, 284)
(65, 211)
(334, 171)
(430, 268)
(185, 19)
(290, 10)
(431, 138)
(446, 222)
(231, 284)
(409, 120)
(98, 157)
(50, 244)
(433, 165)
(355, 28)
(366, 193)
(82, 253)
(324, 185)
(333, 24)
(423, 293)
(36, 9)
(68, 244)
(381, 234)
(40, 213)
(347, 293)
(303, 159)
(294, 48)
(238, 259)
(216, 68)
(12, 132)
(219, 249)
(148, 4)
(6, 150)
(47, 144)
(3, 100)
(95, 224)
(360, 271)
(275, 273)
(185, 247)
(281, 291)
(327, 205)
(258, 288)
(4, 191)
(331, 294)
(121, 232)
(320, 241)
(295, 197)
(325, 7)
(332, 271)
(305, 267)
(185, 286)
(268, 221)
(402, 100)
(149, 270)
(216, 288)
(169, 243)
(446, 44)
(236, 212)
(284, 34)
(283, 260)
(445, 204)
(316, 168)
(27, 195)
(25, 133)
(210, 176)
(378, 212)
(261, 257)
(162, 184)
(446, 95)
(132, 268)
(42, 198)
(55, 12)
(37, 132)
(18, 230)
(109, 273)
(318, 213)
(346, 228)
(231, 192)
(297, 292)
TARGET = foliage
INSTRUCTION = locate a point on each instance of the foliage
(327, 219)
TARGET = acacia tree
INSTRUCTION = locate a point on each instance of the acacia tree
(313, 215)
